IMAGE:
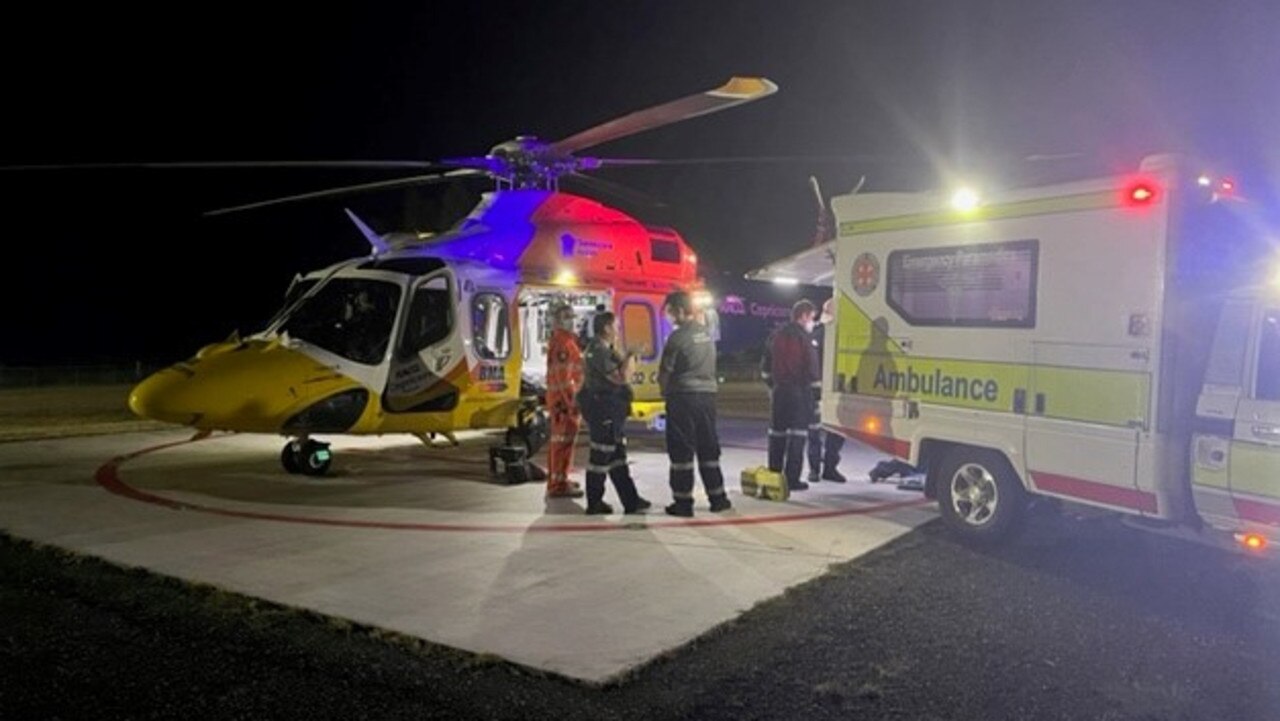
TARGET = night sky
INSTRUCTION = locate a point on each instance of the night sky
(116, 265)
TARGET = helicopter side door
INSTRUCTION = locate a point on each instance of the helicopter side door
(492, 343)
(428, 356)
(642, 330)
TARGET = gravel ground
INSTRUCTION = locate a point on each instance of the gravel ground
(1076, 620)
(53, 411)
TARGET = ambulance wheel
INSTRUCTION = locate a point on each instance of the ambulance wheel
(314, 458)
(289, 458)
(979, 494)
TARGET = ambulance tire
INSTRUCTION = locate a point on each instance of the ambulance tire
(979, 495)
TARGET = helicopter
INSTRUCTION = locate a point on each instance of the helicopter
(432, 334)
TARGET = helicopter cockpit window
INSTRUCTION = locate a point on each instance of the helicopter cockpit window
(297, 289)
(351, 317)
(490, 326)
(430, 316)
(664, 251)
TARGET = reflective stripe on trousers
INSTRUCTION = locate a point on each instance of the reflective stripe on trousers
(605, 418)
(691, 433)
(564, 429)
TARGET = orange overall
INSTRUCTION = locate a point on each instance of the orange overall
(564, 379)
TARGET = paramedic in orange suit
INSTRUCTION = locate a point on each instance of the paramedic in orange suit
(564, 379)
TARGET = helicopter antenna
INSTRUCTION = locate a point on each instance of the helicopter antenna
(376, 242)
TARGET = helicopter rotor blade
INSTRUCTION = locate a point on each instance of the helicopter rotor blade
(232, 164)
(488, 164)
(737, 91)
(742, 160)
(621, 192)
(353, 189)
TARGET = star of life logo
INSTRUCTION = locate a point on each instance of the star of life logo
(866, 274)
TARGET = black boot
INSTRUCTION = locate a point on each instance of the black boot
(683, 509)
(720, 503)
(833, 475)
(639, 506)
(595, 491)
(599, 508)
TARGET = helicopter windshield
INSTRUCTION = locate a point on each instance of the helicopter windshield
(351, 317)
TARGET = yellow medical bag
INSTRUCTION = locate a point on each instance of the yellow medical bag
(760, 482)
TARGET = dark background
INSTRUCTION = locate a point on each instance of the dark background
(112, 265)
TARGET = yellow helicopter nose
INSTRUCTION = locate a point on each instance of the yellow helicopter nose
(248, 386)
(161, 397)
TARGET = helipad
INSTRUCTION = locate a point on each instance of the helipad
(422, 541)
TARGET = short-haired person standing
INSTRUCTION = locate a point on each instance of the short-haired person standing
(687, 377)
(564, 380)
(790, 367)
(824, 445)
(606, 403)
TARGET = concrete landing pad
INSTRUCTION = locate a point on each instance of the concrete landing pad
(422, 541)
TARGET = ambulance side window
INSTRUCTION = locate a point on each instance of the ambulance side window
(1268, 381)
(992, 285)
(490, 326)
(430, 316)
(638, 331)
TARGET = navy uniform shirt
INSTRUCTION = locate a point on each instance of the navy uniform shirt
(688, 361)
(603, 365)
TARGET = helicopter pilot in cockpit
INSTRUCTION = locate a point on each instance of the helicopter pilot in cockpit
(365, 326)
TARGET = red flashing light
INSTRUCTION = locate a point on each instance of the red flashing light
(1140, 193)
(1228, 185)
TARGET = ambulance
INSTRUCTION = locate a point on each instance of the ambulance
(1113, 342)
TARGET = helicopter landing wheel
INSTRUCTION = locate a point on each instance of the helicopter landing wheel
(289, 458)
(308, 457)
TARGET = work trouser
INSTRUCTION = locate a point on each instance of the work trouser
(790, 415)
(564, 431)
(824, 446)
(691, 431)
(606, 416)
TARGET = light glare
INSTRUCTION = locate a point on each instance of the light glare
(965, 199)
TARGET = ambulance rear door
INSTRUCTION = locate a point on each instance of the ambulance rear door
(1254, 459)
